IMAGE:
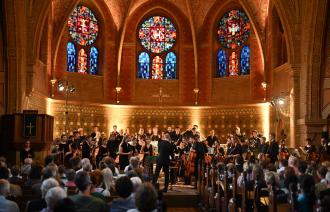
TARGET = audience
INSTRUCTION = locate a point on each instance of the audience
(97, 189)
(83, 200)
(6, 205)
(124, 188)
(145, 199)
(52, 197)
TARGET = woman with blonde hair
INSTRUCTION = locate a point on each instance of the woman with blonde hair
(108, 180)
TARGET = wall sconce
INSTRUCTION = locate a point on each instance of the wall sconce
(118, 89)
(196, 91)
(264, 87)
(52, 82)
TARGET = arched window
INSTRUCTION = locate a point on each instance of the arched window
(245, 60)
(170, 68)
(157, 68)
(93, 61)
(144, 65)
(233, 31)
(83, 29)
(82, 62)
(221, 62)
(71, 52)
(157, 36)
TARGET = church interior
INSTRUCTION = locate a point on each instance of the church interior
(164, 105)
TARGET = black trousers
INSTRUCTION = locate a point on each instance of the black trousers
(165, 168)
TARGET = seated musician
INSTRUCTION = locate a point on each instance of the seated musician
(212, 139)
(176, 136)
(254, 141)
(310, 150)
(234, 146)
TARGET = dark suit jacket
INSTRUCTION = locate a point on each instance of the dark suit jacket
(165, 149)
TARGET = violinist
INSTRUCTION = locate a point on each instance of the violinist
(87, 147)
(254, 141)
(310, 150)
(284, 151)
(234, 146)
(176, 136)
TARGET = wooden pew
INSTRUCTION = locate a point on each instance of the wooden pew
(213, 188)
(232, 205)
(206, 186)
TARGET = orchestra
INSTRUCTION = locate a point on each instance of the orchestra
(187, 148)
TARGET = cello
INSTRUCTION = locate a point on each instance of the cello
(190, 163)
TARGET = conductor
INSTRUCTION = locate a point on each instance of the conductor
(165, 150)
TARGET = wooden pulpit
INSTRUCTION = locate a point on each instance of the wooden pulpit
(16, 129)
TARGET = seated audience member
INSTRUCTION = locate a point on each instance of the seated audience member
(6, 205)
(49, 159)
(326, 192)
(111, 164)
(48, 172)
(26, 167)
(322, 185)
(108, 180)
(14, 190)
(145, 199)
(293, 162)
(34, 175)
(70, 175)
(133, 164)
(125, 201)
(271, 183)
(15, 178)
(52, 197)
(83, 200)
(85, 165)
(306, 198)
(302, 167)
(64, 205)
(61, 174)
(97, 182)
(136, 182)
(39, 204)
(325, 204)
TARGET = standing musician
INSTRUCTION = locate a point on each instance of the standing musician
(310, 150)
(124, 152)
(165, 150)
(102, 151)
(87, 147)
(324, 150)
(254, 141)
(200, 150)
(113, 142)
(176, 136)
(273, 149)
(284, 151)
(146, 150)
(212, 140)
(26, 152)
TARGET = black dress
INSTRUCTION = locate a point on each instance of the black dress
(26, 154)
(123, 159)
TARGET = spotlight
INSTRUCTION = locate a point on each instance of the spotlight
(61, 86)
(281, 101)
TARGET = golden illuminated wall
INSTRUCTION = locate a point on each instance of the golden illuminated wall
(222, 119)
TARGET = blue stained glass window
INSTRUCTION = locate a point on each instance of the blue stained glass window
(93, 60)
(170, 66)
(245, 60)
(144, 66)
(221, 62)
(71, 57)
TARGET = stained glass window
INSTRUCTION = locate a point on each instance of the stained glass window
(233, 64)
(233, 29)
(144, 65)
(157, 34)
(71, 57)
(82, 25)
(245, 60)
(170, 68)
(221, 63)
(82, 61)
(157, 68)
(93, 61)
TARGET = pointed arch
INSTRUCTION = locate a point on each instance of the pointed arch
(71, 57)
(93, 61)
(144, 65)
(221, 63)
(170, 68)
(245, 60)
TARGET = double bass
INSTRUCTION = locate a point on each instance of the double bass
(190, 164)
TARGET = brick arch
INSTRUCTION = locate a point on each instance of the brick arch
(184, 42)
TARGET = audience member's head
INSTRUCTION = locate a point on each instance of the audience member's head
(302, 167)
(136, 181)
(70, 174)
(270, 178)
(108, 178)
(293, 161)
(61, 170)
(87, 167)
(322, 171)
(4, 173)
(124, 187)
(83, 181)
(4, 187)
(146, 198)
(14, 171)
(50, 171)
(48, 184)
(35, 172)
(134, 162)
(96, 178)
(49, 159)
(53, 195)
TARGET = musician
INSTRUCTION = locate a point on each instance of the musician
(324, 150)
(114, 134)
(63, 145)
(155, 136)
(165, 151)
(200, 149)
(254, 141)
(146, 149)
(310, 149)
(86, 149)
(26, 152)
(234, 146)
(176, 136)
(102, 151)
(124, 152)
(273, 149)
(212, 140)
(284, 151)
